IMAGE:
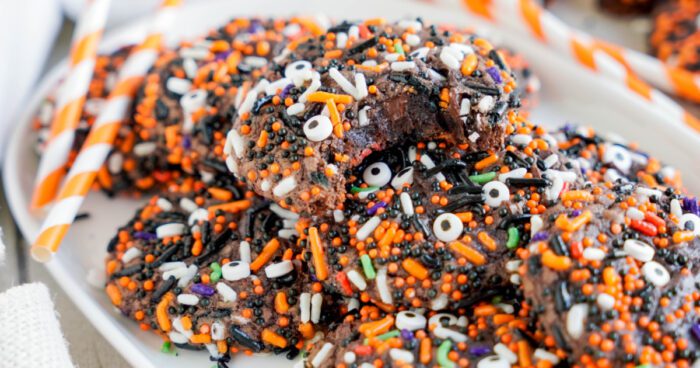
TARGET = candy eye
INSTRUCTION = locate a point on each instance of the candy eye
(236, 270)
(493, 361)
(193, 100)
(690, 222)
(495, 193)
(618, 157)
(656, 274)
(639, 250)
(298, 70)
(420, 53)
(442, 319)
(318, 128)
(410, 321)
(279, 269)
(447, 227)
(377, 174)
(404, 177)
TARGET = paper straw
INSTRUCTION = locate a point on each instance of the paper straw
(609, 60)
(100, 140)
(69, 101)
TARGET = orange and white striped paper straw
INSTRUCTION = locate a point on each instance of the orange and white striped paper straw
(100, 140)
(601, 57)
(69, 101)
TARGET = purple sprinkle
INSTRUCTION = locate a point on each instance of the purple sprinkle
(542, 235)
(575, 213)
(222, 55)
(373, 210)
(203, 290)
(145, 236)
(696, 331)
(690, 204)
(406, 335)
(479, 350)
(495, 75)
(186, 142)
(286, 90)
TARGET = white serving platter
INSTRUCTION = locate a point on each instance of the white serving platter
(569, 94)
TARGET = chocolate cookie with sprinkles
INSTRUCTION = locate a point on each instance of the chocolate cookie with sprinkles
(611, 158)
(676, 34)
(613, 277)
(216, 269)
(330, 101)
(434, 226)
(492, 337)
(189, 100)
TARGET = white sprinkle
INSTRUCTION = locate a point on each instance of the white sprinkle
(285, 186)
(649, 192)
(217, 331)
(354, 32)
(349, 357)
(244, 250)
(575, 320)
(411, 23)
(404, 356)
(360, 86)
(313, 87)
(517, 173)
(486, 104)
(357, 280)
(462, 48)
(551, 160)
(353, 304)
(178, 338)
(265, 185)
(144, 148)
(412, 154)
(178, 85)
(465, 107)
(278, 85)
(227, 294)
(188, 299)
(341, 40)
(169, 266)
(305, 306)
(446, 333)
(505, 353)
(521, 139)
(448, 59)
(676, 208)
(344, 84)
(248, 102)
(542, 354)
(367, 228)
(406, 203)
(400, 66)
(514, 279)
(235, 270)
(172, 229)
(283, 213)
(439, 303)
(634, 214)
(605, 301)
(402, 178)
(555, 189)
(187, 276)
(513, 266)
(322, 355)
(287, 233)
(296, 109)
(279, 269)
(656, 274)
(316, 304)
(383, 287)
(115, 162)
(177, 325)
(362, 115)
(429, 164)
(412, 40)
(639, 250)
(197, 53)
(237, 142)
(190, 67)
(338, 215)
(200, 215)
(435, 75)
(391, 57)
(130, 254)
(593, 254)
(255, 61)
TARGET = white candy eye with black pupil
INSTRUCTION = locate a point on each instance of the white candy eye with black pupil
(690, 222)
(495, 193)
(442, 319)
(410, 321)
(420, 53)
(377, 174)
(318, 128)
(402, 178)
(618, 157)
(235, 270)
(298, 70)
(447, 227)
(193, 100)
(656, 274)
(493, 361)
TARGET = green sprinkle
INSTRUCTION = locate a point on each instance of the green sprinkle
(367, 267)
(496, 299)
(513, 238)
(398, 49)
(442, 353)
(358, 189)
(385, 336)
(167, 348)
(483, 178)
(215, 272)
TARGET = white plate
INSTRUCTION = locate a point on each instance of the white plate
(570, 94)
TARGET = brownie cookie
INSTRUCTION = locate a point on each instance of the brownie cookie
(492, 337)
(676, 35)
(434, 226)
(613, 277)
(189, 100)
(330, 101)
(216, 269)
(611, 158)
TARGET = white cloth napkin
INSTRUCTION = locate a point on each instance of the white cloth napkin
(30, 335)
